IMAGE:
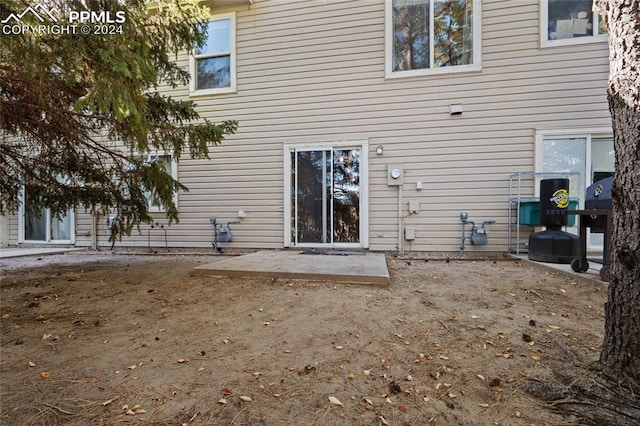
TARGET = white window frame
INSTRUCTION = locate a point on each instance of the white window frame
(288, 148)
(477, 46)
(585, 133)
(174, 174)
(193, 58)
(544, 31)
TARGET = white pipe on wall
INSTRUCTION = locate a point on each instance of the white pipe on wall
(400, 240)
(94, 230)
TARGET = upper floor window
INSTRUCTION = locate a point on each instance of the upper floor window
(432, 36)
(564, 22)
(213, 65)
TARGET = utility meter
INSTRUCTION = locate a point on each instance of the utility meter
(395, 175)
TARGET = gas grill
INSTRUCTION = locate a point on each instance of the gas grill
(597, 216)
(598, 195)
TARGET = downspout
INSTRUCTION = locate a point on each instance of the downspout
(94, 230)
(400, 242)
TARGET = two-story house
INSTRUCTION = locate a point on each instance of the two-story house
(374, 123)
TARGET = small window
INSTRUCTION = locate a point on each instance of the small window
(213, 65)
(566, 22)
(170, 167)
(432, 36)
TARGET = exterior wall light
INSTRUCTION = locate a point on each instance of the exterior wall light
(379, 150)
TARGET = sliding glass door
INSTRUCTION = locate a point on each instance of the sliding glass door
(592, 156)
(325, 196)
(44, 227)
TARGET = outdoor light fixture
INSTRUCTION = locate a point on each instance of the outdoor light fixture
(379, 150)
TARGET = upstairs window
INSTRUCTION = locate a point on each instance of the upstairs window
(432, 36)
(566, 22)
(213, 65)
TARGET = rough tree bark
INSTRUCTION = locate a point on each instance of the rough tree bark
(620, 358)
(609, 393)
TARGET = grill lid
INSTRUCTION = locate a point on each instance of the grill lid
(598, 195)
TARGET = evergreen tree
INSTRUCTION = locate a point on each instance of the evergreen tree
(80, 114)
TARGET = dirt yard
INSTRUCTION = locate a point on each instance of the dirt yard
(137, 340)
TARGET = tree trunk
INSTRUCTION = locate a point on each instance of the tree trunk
(620, 358)
(608, 395)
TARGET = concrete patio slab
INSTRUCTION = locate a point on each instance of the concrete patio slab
(361, 268)
(593, 273)
(35, 251)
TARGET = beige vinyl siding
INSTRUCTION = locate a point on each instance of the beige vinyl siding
(313, 71)
(13, 230)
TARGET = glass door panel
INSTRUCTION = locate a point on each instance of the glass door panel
(602, 159)
(311, 197)
(602, 166)
(35, 225)
(61, 228)
(567, 155)
(346, 196)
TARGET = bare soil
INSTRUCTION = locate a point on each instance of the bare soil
(114, 340)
